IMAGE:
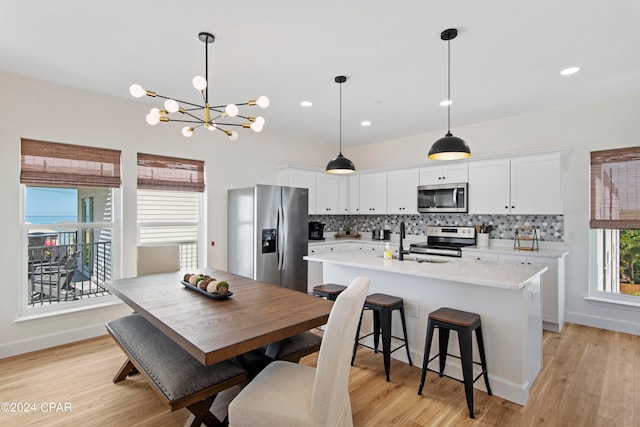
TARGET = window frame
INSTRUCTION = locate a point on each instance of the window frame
(27, 312)
(595, 271)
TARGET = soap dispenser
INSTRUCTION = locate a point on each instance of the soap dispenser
(388, 254)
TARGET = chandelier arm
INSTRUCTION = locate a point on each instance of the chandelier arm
(180, 101)
(186, 121)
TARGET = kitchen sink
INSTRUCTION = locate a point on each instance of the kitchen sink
(419, 260)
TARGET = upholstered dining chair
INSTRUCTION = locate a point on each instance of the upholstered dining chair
(155, 259)
(288, 394)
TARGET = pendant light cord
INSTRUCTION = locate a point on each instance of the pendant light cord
(206, 69)
(340, 121)
(449, 87)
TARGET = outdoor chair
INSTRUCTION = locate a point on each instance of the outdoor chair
(53, 281)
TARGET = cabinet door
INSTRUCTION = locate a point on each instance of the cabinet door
(305, 179)
(445, 174)
(402, 197)
(479, 256)
(327, 193)
(354, 194)
(373, 193)
(552, 288)
(489, 187)
(343, 194)
(536, 184)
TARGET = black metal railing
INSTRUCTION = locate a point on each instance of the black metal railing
(68, 272)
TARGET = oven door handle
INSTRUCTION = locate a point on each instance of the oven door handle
(455, 197)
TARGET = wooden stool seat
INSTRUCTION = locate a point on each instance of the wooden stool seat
(382, 306)
(329, 291)
(464, 323)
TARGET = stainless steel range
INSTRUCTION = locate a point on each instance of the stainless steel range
(445, 241)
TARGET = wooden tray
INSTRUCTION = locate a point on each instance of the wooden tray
(347, 235)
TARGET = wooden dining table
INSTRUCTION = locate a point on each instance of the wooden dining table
(257, 314)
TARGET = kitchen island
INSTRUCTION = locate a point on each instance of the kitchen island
(506, 295)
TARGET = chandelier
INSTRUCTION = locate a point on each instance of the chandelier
(211, 117)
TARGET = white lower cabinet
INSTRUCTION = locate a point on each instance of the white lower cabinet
(314, 269)
(553, 288)
(480, 256)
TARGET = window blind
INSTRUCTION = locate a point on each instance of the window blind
(170, 173)
(52, 164)
(615, 189)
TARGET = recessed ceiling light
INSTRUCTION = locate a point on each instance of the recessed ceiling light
(446, 102)
(569, 71)
(306, 103)
(365, 123)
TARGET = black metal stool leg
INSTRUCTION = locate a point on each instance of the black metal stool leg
(466, 356)
(357, 339)
(376, 329)
(404, 330)
(427, 351)
(483, 361)
(385, 323)
(443, 345)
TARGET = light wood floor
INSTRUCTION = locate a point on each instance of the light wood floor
(591, 377)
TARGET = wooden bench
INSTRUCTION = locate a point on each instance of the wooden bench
(178, 378)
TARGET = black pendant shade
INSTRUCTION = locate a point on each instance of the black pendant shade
(449, 147)
(340, 164)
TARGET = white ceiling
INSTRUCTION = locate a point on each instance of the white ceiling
(505, 61)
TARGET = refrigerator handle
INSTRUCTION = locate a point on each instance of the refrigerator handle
(280, 244)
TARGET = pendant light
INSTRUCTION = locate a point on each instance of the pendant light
(449, 147)
(340, 164)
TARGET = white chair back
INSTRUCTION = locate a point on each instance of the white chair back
(331, 405)
(158, 259)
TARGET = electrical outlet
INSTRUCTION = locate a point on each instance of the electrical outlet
(414, 310)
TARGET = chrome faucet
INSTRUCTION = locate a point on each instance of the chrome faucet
(400, 248)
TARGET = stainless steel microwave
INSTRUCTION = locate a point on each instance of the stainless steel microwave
(443, 198)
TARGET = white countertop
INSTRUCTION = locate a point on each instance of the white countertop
(484, 273)
(496, 246)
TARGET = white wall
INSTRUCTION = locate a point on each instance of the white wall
(38, 110)
(610, 123)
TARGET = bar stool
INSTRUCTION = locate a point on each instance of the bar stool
(464, 323)
(329, 291)
(383, 306)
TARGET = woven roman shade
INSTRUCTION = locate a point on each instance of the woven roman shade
(51, 164)
(615, 189)
(170, 173)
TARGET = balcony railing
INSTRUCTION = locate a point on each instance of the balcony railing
(68, 272)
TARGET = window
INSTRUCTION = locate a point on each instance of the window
(69, 224)
(615, 220)
(170, 200)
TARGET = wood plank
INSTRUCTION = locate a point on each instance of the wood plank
(81, 374)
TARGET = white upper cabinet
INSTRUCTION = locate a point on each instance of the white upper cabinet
(402, 193)
(450, 173)
(373, 193)
(489, 187)
(327, 193)
(343, 193)
(536, 184)
(354, 194)
(304, 179)
(526, 185)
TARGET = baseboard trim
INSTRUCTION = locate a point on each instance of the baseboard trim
(46, 341)
(601, 322)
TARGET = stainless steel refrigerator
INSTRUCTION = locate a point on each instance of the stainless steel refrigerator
(268, 234)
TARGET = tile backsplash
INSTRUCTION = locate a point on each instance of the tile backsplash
(550, 227)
